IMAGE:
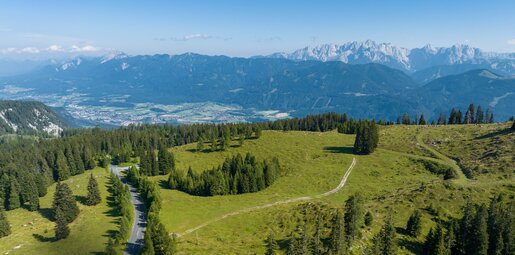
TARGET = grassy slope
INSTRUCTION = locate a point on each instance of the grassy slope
(314, 163)
(88, 231)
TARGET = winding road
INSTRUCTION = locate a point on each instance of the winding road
(136, 239)
(250, 209)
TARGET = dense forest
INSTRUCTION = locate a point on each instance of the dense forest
(237, 175)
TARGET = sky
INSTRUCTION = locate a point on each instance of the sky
(247, 28)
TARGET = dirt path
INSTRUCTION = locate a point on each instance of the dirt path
(293, 200)
(461, 178)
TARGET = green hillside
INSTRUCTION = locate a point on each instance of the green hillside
(33, 232)
(394, 178)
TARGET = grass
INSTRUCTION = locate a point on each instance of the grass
(33, 232)
(313, 163)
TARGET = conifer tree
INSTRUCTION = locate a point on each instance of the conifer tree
(200, 144)
(61, 224)
(64, 203)
(441, 119)
(318, 245)
(422, 120)
(469, 115)
(148, 246)
(337, 233)
(5, 228)
(214, 144)
(111, 247)
(478, 242)
(291, 249)
(384, 242)
(93, 197)
(14, 195)
(353, 216)
(61, 167)
(414, 224)
(406, 119)
(479, 115)
(271, 244)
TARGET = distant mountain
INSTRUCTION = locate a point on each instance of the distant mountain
(28, 117)
(478, 86)
(165, 87)
(408, 60)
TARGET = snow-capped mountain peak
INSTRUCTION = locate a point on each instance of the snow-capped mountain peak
(369, 51)
(112, 55)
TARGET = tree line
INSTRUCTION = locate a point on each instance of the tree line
(482, 230)
(472, 115)
(123, 207)
(157, 240)
(237, 175)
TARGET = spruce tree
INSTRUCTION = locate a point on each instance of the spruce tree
(337, 233)
(384, 242)
(14, 195)
(111, 248)
(200, 144)
(414, 224)
(93, 197)
(318, 245)
(291, 249)
(61, 224)
(478, 242)
(61, 167)
(65, 203)
(422, 120)
(5, 228)
(148, 246)
(353, 216)
(406, 119)
(479, 115)
(270, 244)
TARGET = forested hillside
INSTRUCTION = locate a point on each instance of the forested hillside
(29, 117)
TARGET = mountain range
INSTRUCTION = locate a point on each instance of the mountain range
(366, 80)
(427, 62)
(28, 117)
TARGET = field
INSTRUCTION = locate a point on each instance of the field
(391, 179)
(33, 232)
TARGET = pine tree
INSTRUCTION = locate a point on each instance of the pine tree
(200, 144)
(61, 224)
(5, 228)
(478, 242)
(65, 203)
(93, 197)
(337, 233)
(148, 246)
(422, 120)
(353, 216)
(166, 161)
(469, 115)
(384, 242)
(291, 249)
(406, 119)
(271, 244)
(61, 167)
(414, 224)
(214, 144)
(111, 247)
(479, 115)
(14, 195)
(367, 138)
(318, 245)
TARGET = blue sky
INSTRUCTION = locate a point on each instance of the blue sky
(245, 28)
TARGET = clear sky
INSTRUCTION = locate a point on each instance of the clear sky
(245, 28)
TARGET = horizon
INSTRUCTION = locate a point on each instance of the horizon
(243, 30)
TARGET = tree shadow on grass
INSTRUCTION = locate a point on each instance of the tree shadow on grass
(47, 213)
(44, 238)
(338, 149)
(493, 134)
(413, 246)
(81, 199)
(163, 184)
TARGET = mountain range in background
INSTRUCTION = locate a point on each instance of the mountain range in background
(364, 79)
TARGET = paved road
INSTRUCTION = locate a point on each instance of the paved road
(250, 209)
(135, 242)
